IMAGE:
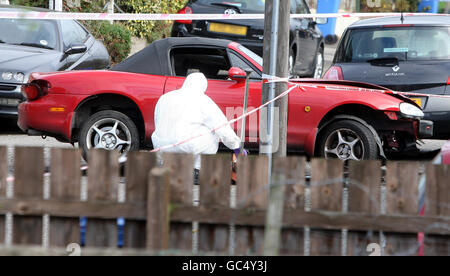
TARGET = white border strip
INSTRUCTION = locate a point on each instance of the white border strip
(148, 16)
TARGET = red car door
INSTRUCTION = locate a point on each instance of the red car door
(229, 96)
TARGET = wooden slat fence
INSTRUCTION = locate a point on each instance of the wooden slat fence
(330, 207)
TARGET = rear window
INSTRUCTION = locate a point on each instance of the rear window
(405, 43)
(245, 6)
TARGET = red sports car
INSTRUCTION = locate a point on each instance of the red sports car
(114, 109)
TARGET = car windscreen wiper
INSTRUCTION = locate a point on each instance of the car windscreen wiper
(35, 45)
(228, 5)
(387, 61)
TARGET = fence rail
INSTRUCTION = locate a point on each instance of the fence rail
(330, 207)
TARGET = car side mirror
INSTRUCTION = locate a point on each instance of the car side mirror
(237, 74)
(75, 49)
(321, 20)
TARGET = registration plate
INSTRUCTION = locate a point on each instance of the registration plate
(9, 102)
(228, 29)
(418, 101)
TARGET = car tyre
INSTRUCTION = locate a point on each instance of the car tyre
(347, 140)
(319, 64)
(291, 62)
(109, 130)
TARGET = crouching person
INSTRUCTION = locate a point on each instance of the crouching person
(186, 113)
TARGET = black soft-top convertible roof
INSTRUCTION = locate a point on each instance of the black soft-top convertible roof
(155, 59)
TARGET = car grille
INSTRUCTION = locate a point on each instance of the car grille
(5, 87)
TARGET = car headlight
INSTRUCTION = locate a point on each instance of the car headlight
(19, 77)
(411, 110)
(7, 75)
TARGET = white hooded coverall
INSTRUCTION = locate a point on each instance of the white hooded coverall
(188, 112)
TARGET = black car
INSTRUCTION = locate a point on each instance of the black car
(409, 55)
(28, 45)
(306, 40)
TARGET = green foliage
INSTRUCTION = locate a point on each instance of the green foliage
(151, 30)
(116, 37)
(442, 6)
(392, 6)
(30, 3)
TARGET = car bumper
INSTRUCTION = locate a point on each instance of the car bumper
(36, 118)
(8, 112)
(426, 129)
(441, 122)
(446, 154)
(10, 97)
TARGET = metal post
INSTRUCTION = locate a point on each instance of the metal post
(111, 9)
(276, 55)
(244, 121)
(56, 5)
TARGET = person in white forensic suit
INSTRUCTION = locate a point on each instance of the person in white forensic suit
(188, 112)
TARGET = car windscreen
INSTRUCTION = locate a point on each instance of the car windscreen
(29, 32)
(244, 6)
(252, 55)
(412, 43)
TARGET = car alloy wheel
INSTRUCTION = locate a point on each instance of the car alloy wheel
(347, 140)
(109, 134)
(344, 144)
(109, 130)
(319, 66)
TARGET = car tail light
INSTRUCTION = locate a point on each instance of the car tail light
(448, 81)
(36, 89)
(334, 73)
(185, 10)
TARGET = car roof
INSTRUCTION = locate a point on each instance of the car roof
(425, 20)
(22, 8)
(158, 53)
(193, 41)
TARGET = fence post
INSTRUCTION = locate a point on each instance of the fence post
(274, 218)
(158, 201)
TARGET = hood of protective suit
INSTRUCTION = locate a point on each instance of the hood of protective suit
(195, 83)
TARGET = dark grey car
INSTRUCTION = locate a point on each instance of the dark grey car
(306, 55)
(28, 46)
(410, 56)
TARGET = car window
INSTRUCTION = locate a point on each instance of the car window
(236, 61)
(251, 54)
(212, 62)
(72, 33)
(37, 33)
(405, 43)
(245, 6)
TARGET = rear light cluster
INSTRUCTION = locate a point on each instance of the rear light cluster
(448, 81)
(186, 10)
(334, 73)
(36, 89)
